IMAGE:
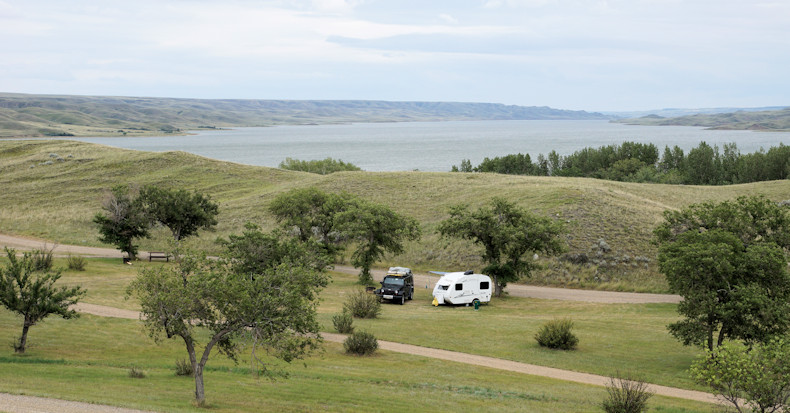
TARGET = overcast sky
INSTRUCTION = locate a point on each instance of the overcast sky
(568, 54)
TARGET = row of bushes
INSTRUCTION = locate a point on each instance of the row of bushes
(638, 162)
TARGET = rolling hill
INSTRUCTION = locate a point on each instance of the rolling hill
(769, 120)
(52, 189)
(24, 115)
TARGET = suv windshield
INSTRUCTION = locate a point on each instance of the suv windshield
(396, 281)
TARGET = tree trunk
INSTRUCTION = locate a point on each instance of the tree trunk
(20, 347)
(197, 369)
(722, 335)
(200, 394)
(497, 287)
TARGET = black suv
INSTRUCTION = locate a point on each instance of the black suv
(397, 286)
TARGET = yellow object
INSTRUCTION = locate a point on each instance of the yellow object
(435, 302)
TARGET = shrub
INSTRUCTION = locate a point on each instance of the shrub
(361, 343)
(362, 304)
(322, 167)
(184, 368)
(557, 334)
(42, 258)
(76, 262)
(343, 322)
(626, 395)
(136, 373)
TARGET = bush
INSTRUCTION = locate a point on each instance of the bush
(343, 322)
(626, 395)
(76, 262)
(752, 377)
(361, 304)
(557, 334)
(322, 167)
(184, 368)
(136, 373)
(42, 258)
(361, 343)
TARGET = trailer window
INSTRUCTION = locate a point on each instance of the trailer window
(459, 287)
(444, 287)
(484, 285)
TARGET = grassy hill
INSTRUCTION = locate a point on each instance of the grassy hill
(24, 115)
(52, 189)
(769, 120)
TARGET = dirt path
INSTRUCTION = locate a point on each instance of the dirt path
(454, 356)
(12, 403)
(420, 280)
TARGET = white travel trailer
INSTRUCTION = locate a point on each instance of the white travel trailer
(462, 288)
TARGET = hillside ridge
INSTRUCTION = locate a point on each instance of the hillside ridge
(23, 115)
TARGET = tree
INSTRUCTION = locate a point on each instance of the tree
(335, 220)
(376, 230)
(254, 251)
(124, 220)
(312, 214)
(756, 378)
(728, 262)
(33, 294)
(507, 233)
(183, 212)
(273, 306)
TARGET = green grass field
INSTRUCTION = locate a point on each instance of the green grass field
(88, 359)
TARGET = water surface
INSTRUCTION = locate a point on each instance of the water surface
(430, 146)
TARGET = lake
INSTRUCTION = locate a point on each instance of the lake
(430, 146)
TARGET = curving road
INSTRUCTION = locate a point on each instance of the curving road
(515, 290)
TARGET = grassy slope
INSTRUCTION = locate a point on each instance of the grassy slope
(58, 201)
(88, 359)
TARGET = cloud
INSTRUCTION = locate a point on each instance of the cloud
(512, 51)
(446, 18)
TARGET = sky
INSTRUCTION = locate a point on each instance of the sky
(594, 55)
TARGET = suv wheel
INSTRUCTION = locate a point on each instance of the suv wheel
(402, 299)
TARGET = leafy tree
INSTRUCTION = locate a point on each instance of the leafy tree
(376, 230)
(183, 212)
(322, 167)
(728, 262)
(508, 234)
(756, 378)
(124, 220)
(336, 220)
(255, 251)
(33, 295)
(702, 165)
(466, 165)
(273, 307)
(312, 214)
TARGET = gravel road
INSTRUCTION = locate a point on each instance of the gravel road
(420, 280)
